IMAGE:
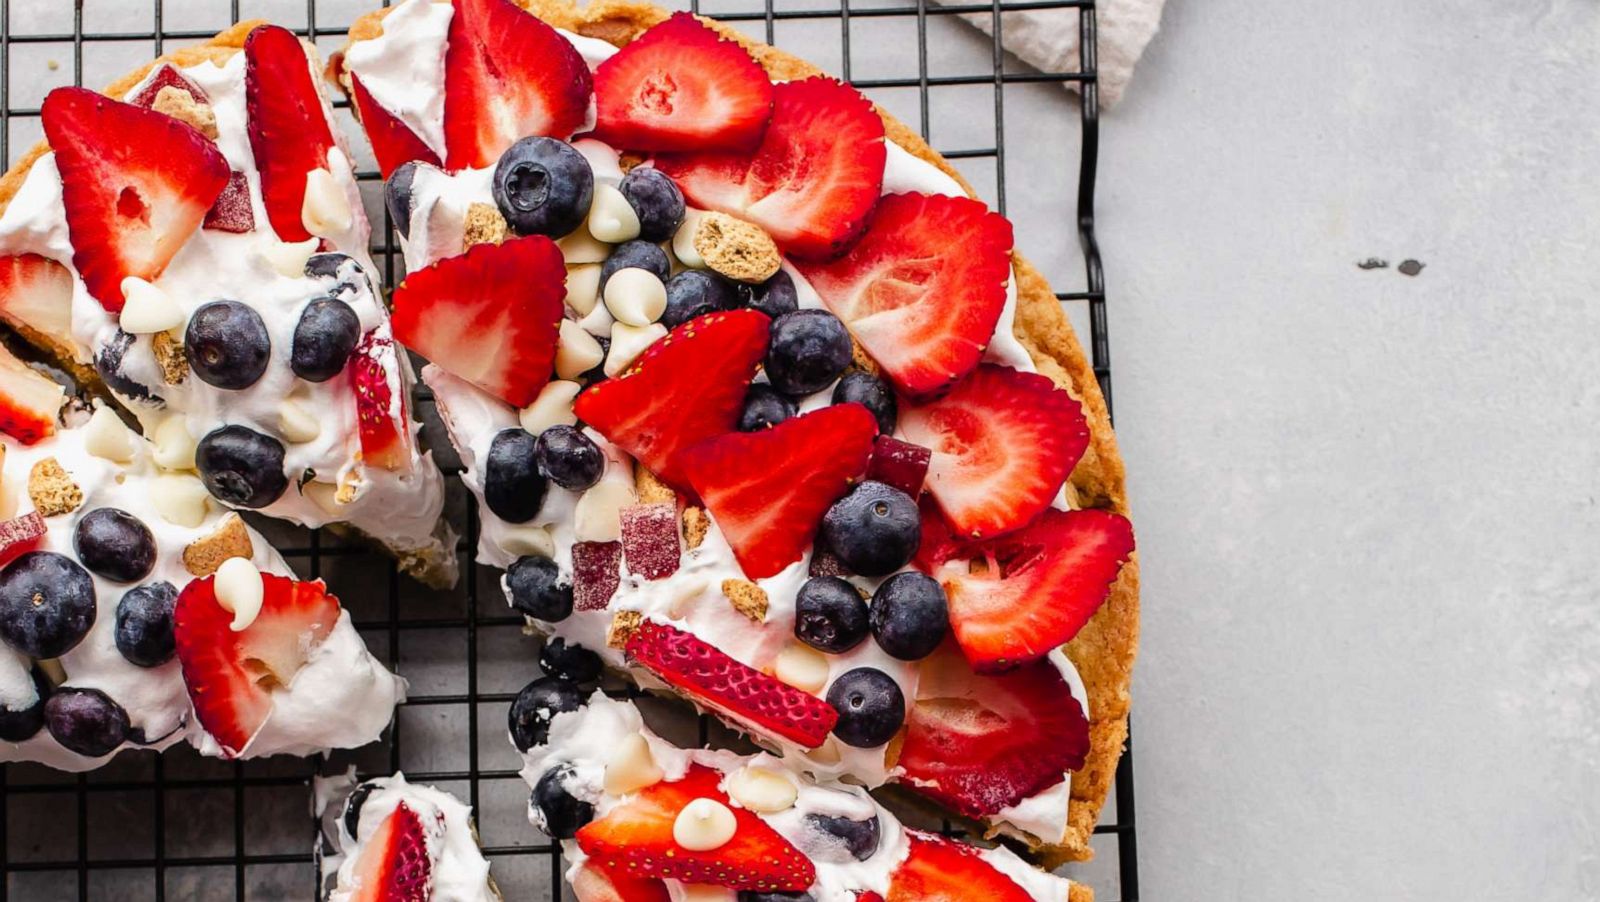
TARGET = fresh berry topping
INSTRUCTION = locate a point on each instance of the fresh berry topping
(572, 663)
(870, 706)
(910, 616)
(556, 810)
(695, 292)
(774, 297)
(876, 395)
(735, 689)
(765, 407)
(144, 624)
(813, 181)
(394, 865)
(939, 543)
(324, 338)
(232, 211)
(943, 870)
(569, 458)
(22, 713)
(636, 254)
(808, 350)
(923, 288)
(36, 295)
(543, 187)
(873, 530)
(636, 838)
(683, 389)
(227, 345)
(241, 467)
(508, 75)
(29, 400)
(898, 464)
(21, 534)
(982, 744)
(47, 604)
(650, 539)
(397, 198)
(86, 721)
(334, 265)
(135, 184)
(382, 423)
(488, 316)
(655, 199)
(538, 590)
(859, 838)
(393, 142)
(1003, 442)
(536, 706)
(592, 883)
(352, 807)
(830, 615)
(681, 86)
(768, 490)
(748, 896)
(114, 544)
(166, 75)
(513, 489)
(112, 363)
(289, 133)
(596, 573)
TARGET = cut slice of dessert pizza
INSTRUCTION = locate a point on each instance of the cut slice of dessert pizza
(757, 401)
(137, 613)
(193, 240)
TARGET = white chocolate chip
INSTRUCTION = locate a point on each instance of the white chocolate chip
(239, 589)
(628, 342)
(635, 296)
(762, 789)
(180, 499)
(703, 825)
(553, 407)
(597, 516)
(174, 446)
(325, 210)
(581, 247)
(825, 754)
(597, 322)
(683, 241)
(324, 495)
(631, 767)
(583, 288)
(521, 539)
(802, 667)
(106, 436)
(289, 257)
(147, 309)
(296, 423)
(611, 217)
(577, 352)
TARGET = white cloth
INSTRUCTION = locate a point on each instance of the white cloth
(1047, 39)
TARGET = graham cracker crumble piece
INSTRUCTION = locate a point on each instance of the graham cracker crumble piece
(52, 489)
(627, 160)
(181, 105)
(747, 598)
(485, 225)
(623, 625)
(737, 249)
(695, 526)
(861, 360)
(230, 539)
(650, 489)
(169, 356)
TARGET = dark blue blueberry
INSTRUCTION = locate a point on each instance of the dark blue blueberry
(144, 624)
(331, 265)
(556, 810)
(656, 200)
(227, 344)
(746, 895)
(874, 530)
(543, 187)
(806, 352)
(112, 363)
(538, 590)
(323, 339)
(637, 255)
(572, 663)
(763, 407)
(872, 393)
(860, 838)
(569, 458)
(871, 707)
(20, 723)
(695, 292)
(86, 721)
(241, 467)
(114, 544)
(910, 615)
(512, 486)
(352, 805)
(397, 195)
(830, 615)
(536, 705)
(774, 297)
(47, 604)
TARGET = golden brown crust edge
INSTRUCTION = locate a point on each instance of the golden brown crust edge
(1104, 650)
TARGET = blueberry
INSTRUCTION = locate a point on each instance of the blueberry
(327, 265)
(144, 624)
(874, 530)
(20, 723)
(397, 196)
(536, 705)
(114, 544)
(746, 895)
(323, 339)
(829, 615)
(807, 351)
(639, 255)
(763, 407)
(86, 721)
(774, 297)
(556, 810)
(872, 393)
(655, 198)
(227, 344)
(568, 458)
(543, 187)
(910, 615)
(538, 590)
(352, 805)
(112, 364)
(860, 838)
(871, 707)
(695, 292)
(512, 486)
(47, 604)
(572, 663)
(241, 467)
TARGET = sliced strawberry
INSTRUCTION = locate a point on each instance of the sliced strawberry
(231, 675)
(683, 389)
(942, 870)
(508, 75)
(594, 883)
(681, 87)
(1036, 588)
(900, 464)
(135, 183)
(20, 534)
(166, 76)
(733, 688)
(868, 896)
(939, 543)
(635, 838)
(29, 400)
(289, 133)
(767, 490)
(393, 142)
(394, 865)
(812, 182)
(232, 212)
(36, 296)
(923, 288)
(382, 423)
(489, 316)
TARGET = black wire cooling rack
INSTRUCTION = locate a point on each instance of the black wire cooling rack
(184, 827)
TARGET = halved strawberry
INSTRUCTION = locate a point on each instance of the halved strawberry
(166, 76)
(1036, 587)
(1003, 442)
(942, 870)
(731, 687)
(394, 865)
(508, 75)
(923, 288)
(812, 182)
(681, 86)
(382, 423)
(489, 316)
(29, 400)
(20, 534)
(594, 883)
(683, 389)
(768, 490)
(135, 183)
(393, 142)
(635, 838)
(231, 675)
(36, 296)
(289, 134)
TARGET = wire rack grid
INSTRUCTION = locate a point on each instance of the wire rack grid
(180, 826)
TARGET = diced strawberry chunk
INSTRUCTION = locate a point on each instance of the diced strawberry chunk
(289, 132)
(382, 423)
(942, 870)
(394, 865)
(29, 400)
(166, 75)
(594, 883)
(232, 212)
(36, 296)
(650, 539)
(393, 142)
(900, 464)
(20, 534)
(596, 573)
(813, 181)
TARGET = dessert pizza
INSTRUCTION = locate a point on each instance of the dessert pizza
(387, 840)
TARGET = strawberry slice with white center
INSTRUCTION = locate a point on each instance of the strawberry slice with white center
(681, 87)
(289, 133)
(394, 865)
(231, 676)
(813, 180)
(36, 297)
(768, 490)
(393, 142)
(508, 75)
(636, 838)
(593, 883)
(937, 869)
(29, 400)
(382, 424)
(489, 316)
(682, 390)
(1002, 442)
(923, 288)
(135, 184)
